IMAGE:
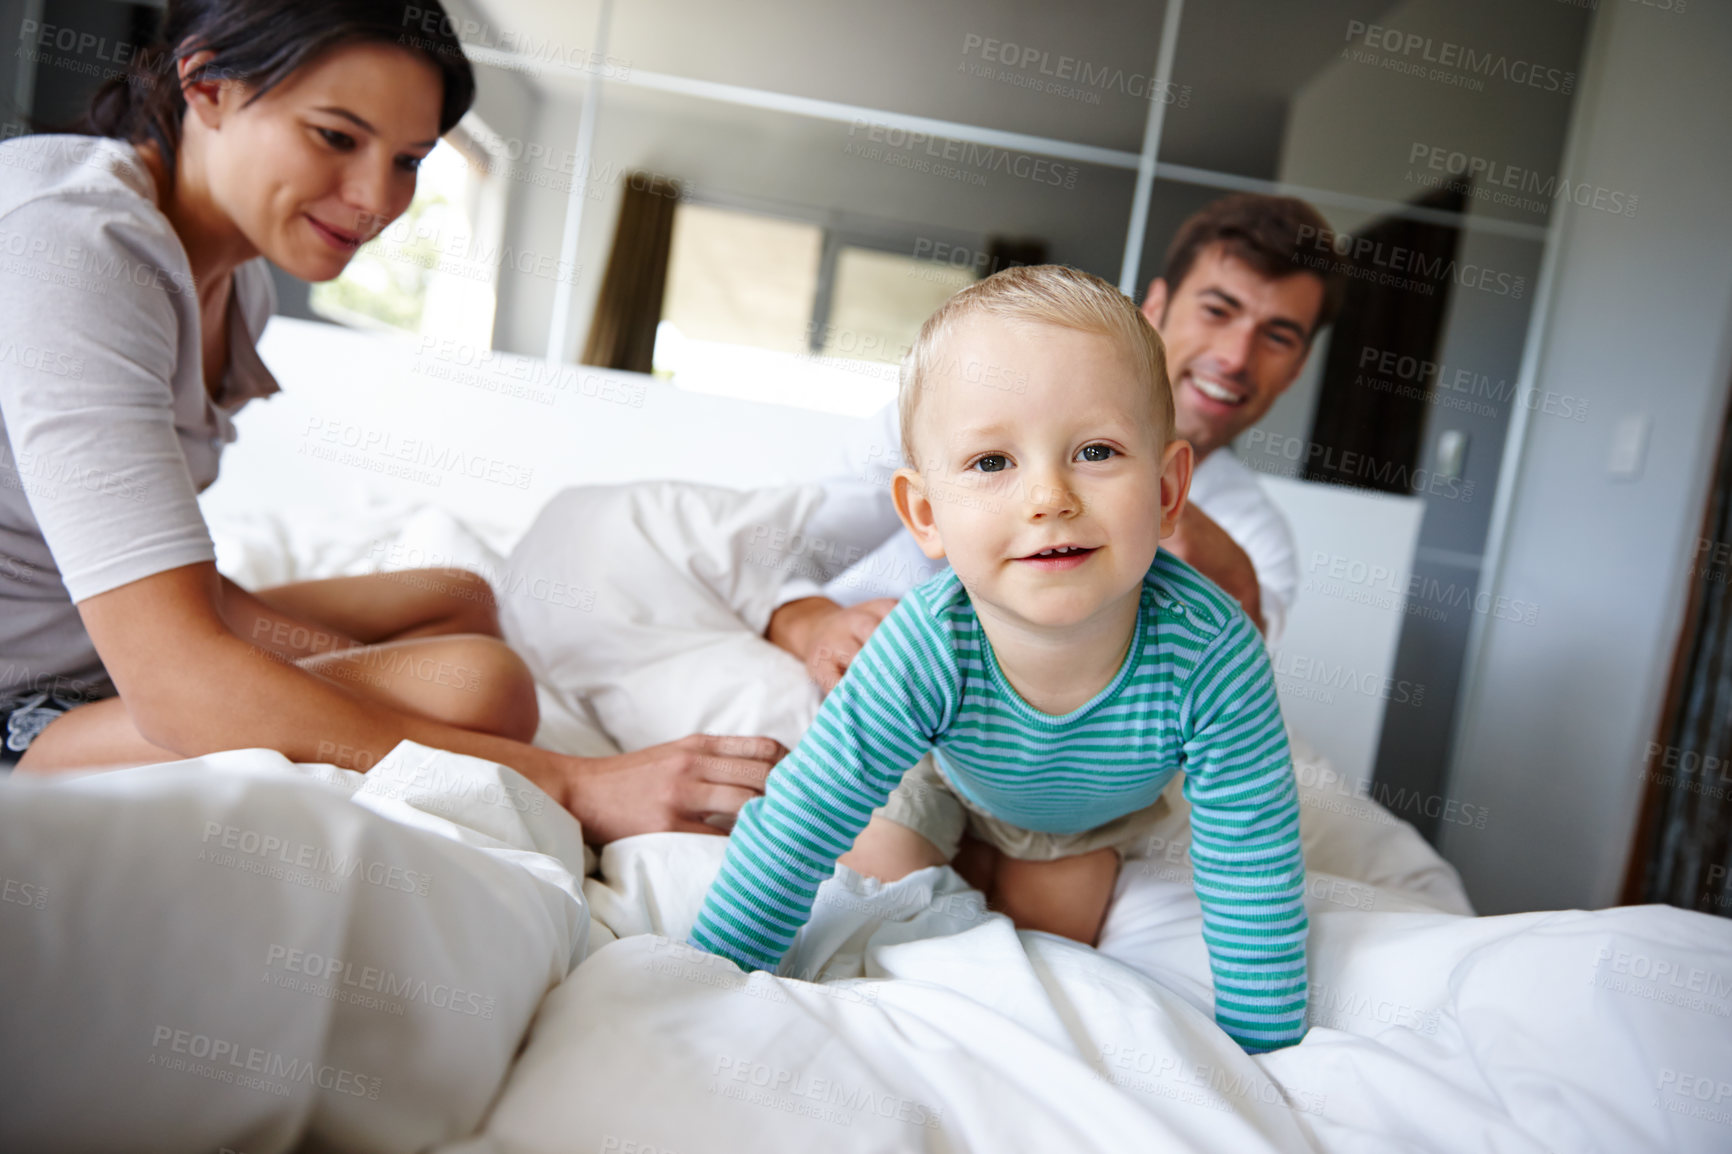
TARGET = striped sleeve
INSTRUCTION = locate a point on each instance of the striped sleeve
(1250, 874)
(878, 721)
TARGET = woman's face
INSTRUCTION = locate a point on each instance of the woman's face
(323, 162)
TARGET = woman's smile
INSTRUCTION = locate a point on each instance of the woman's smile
(345, 242)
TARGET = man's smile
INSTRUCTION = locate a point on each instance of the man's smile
(1216, 389)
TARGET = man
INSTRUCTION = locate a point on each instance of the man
(1238, 316)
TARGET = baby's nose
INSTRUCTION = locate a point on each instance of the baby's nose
(1047, 498)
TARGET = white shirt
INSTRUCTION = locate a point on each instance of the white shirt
(107, 432)
(857, 544)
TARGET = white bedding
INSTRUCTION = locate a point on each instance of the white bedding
(1432, 1030)
(937, 1027)
(934, 1025)
(237, 952)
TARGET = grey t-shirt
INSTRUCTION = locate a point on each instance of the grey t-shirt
(110, 433)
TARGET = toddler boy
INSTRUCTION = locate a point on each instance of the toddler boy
(1043, 690)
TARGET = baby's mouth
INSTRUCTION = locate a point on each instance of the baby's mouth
(1060, 553)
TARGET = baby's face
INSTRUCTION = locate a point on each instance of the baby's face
(1032, 439)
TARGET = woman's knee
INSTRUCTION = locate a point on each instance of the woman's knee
(500, 685)
(468, 600)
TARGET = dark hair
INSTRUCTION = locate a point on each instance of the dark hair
(1267, 233)
(261, 43)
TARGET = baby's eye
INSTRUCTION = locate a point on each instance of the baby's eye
(1096, 452)
(992, 463)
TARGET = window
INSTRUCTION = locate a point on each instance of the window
(741, 278)
(879, 300)
(433, 269)
(781, 310)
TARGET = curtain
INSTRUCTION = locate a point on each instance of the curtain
(1683, 853)
(1007, 252)
(622, 334)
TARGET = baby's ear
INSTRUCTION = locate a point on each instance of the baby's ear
(914, 506)
(1176, 468)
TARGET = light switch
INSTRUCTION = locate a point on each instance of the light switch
(1629, 446)
(1451, 454)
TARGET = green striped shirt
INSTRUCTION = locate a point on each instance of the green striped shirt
(1195, 692)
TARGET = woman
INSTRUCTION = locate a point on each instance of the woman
(131, 291)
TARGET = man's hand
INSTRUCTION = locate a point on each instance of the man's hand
(1206, 547)
(694, 785)
(824, 635)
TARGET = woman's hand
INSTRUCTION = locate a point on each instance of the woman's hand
(674, 787)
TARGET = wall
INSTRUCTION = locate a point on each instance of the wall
(1558, 716)
(1365, 129)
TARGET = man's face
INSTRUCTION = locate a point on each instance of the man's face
(1236, 340)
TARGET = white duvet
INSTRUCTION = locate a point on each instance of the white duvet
(929, 1024)
(934, 1025)
(238, 952)
(937, 1027)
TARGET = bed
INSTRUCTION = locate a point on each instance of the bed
(239, 952)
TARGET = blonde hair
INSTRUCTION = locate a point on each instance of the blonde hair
(1048, 294)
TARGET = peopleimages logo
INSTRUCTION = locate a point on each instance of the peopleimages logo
(339, 979)
(1067, 76)
(1459, 388)
(223, 1060)
(963, 160)
(1458, 59)
(1364, 258)
(1346, 464)
(534, 48)
(1491, 179)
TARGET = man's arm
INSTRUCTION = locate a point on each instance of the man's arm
(193, 687)
(1203, 545)
(1233, 498)
(825, 635)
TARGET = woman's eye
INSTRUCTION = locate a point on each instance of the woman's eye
(992, 463)
(1097, 452)
(410, 163)
(338, 140)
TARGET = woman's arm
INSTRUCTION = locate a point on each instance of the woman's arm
(192, 686)
(286, 635)
(331, 614)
